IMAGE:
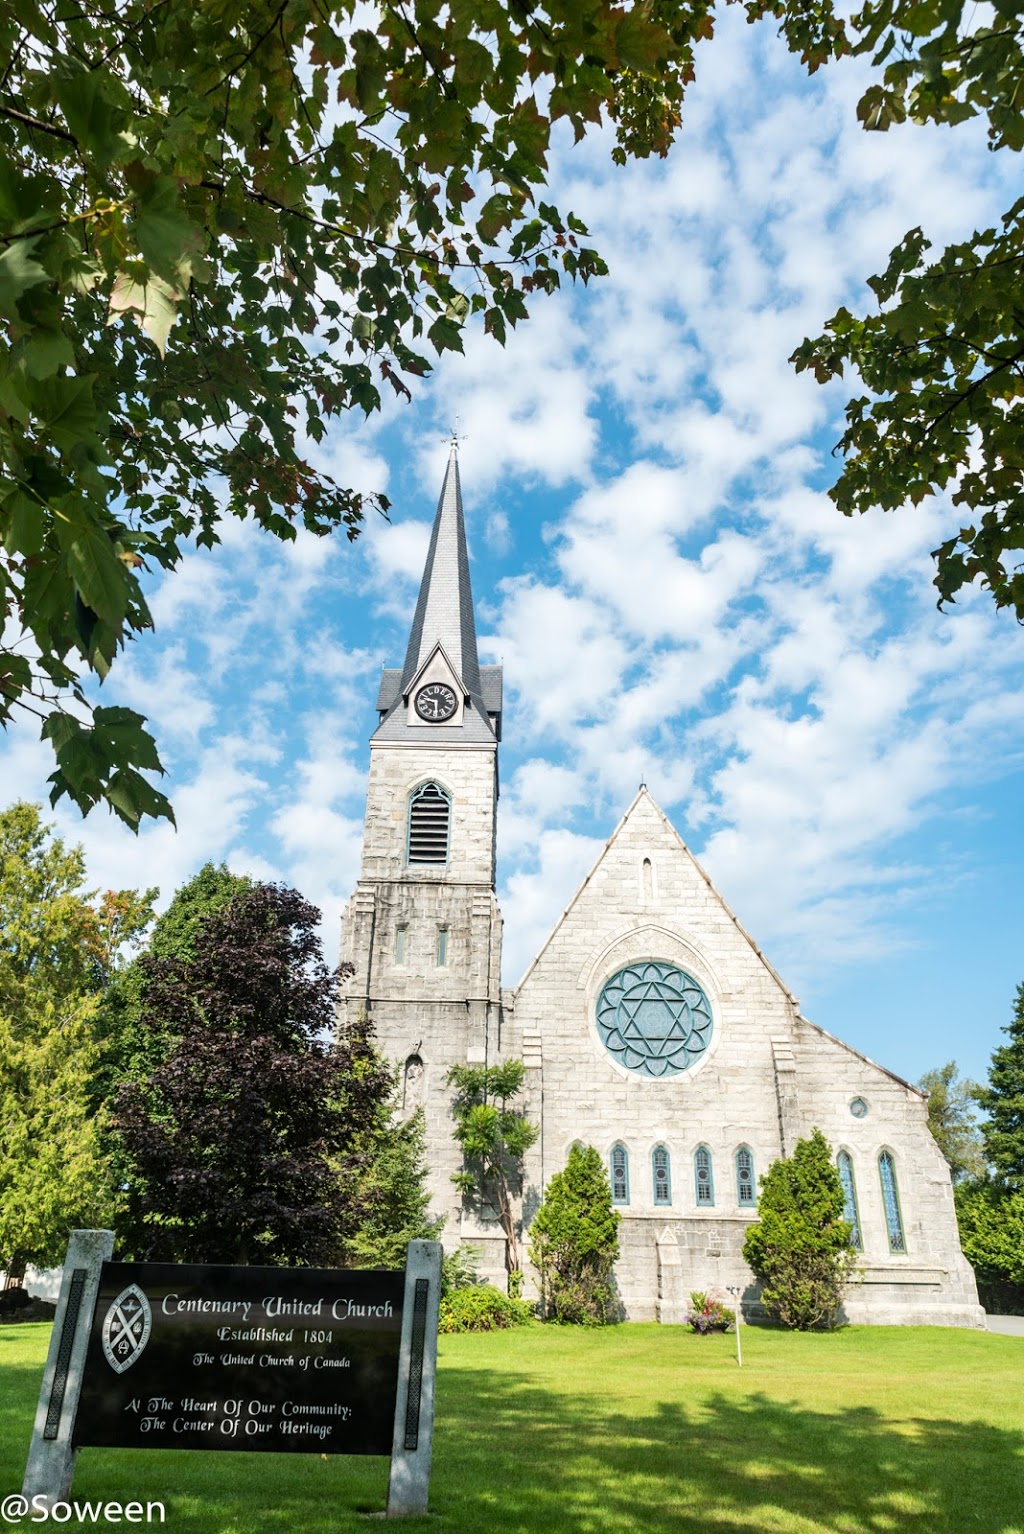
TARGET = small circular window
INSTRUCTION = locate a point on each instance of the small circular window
(859, 1108)
(654, 1019)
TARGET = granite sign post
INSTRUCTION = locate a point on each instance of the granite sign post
(171, 1355)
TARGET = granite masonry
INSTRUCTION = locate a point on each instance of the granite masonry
(650, 1023)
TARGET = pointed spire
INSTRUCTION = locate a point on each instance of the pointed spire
(444, 610)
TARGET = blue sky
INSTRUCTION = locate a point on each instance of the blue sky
(671, 593)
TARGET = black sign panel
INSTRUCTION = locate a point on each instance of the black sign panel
(203, 1357)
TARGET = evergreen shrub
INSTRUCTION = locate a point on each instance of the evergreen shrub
(801, 1247)
(574, 1243)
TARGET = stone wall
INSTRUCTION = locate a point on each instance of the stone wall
(767, 1077)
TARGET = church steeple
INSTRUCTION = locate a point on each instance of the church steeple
(444, 611)
(442, 649)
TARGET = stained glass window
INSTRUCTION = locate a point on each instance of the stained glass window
(620, 1175)
(654, 1019)
(850, 1211)
(891, 1202)
(662, 1175)
(744, 1176)
(703, 1178)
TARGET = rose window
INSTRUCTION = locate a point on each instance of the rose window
(654, 1019)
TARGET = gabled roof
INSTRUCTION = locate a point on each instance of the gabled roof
(645, 800)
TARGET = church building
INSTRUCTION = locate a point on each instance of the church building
(650, 1023)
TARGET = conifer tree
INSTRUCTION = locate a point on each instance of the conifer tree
(574, 1241)
(1002, 1103)
(394, 1204)
(801, 1246)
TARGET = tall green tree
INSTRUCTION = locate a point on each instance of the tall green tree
(1002, 1104)
(951, 1118)
(991, 1221)
(222, 226)
(246, 1142)
(574, 1241)
(800, 1246)
(495, 1134)
(132, 1041)
(59, 947)
(393, 1199)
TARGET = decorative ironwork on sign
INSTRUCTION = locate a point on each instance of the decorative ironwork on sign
(126, 1328)
(418, 1343)
(654, 1019)
(67, 1342)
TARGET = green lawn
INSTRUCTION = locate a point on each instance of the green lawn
(633, 1430)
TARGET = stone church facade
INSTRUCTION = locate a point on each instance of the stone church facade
(650, 1024)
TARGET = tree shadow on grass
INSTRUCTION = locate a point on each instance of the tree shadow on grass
(534, 1462)
(512, 1456)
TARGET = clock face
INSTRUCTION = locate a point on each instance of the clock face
(435, 702)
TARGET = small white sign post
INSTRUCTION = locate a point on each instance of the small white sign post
(736, 1290)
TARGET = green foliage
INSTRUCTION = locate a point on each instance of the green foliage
(574, 1242)
(394, 1204)
(482, 1308)
(800, 1246)
(247, 1141)
(459, 1268)
(221, 227)
(1002, 1102)
(131, 1048)
(951, 1104)
(494, 1137)
(943, 358)
(709, 1314)
(59, 948)
(991, 1221)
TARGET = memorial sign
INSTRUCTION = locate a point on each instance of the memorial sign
(192, 1356)
(202, 1357)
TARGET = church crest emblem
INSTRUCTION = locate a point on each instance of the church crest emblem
(126, 1328)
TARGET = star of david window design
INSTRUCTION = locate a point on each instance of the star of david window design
(654, 1019)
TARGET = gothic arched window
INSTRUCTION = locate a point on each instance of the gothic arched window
(430, 813)
(851, 1214)
(703, 1177)
(661, 1170)
(891, 1203)
(745, 1194)
(620, 1175)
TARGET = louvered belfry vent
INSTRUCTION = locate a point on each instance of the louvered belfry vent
(430, 811)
